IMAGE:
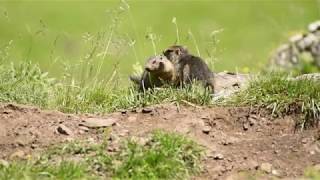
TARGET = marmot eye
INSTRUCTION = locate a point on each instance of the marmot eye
(153, 62)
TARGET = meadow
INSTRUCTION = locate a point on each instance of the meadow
(86, 39)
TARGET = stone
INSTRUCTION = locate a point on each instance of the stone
(218, 156)
(206, 129)
(266, 167)
(275, 173)
(84, 128)
(98, 122)
(314, 26)
(62, 129)
(252, 121)
(147, 110)
(245, 126)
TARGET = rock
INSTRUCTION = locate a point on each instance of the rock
(252, 121)
(62, 129)
(206, 129)
(245, 126)
(34, 146)
(84, 128)
(123, 111)
(218, 156)
(304, 140)
(4, 163)
(19, 154)
(98, 122)
(275, 173)
(311, 76)
(314, 26)
(266, 167)
(147, 110)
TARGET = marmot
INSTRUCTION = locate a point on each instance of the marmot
(158, 70)
(189, 67)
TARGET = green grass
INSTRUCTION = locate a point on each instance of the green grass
(282, 96)
(27, 84)
(164, 156)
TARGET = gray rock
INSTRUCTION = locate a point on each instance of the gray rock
(315, 26)
(227, 83)
(312, 76)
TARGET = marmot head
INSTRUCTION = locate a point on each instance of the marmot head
(175, 52)
(159, 64)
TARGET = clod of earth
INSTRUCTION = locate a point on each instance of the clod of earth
(62, 129)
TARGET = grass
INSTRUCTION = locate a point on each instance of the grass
(27, 84)
(164, 156)
(283, 96)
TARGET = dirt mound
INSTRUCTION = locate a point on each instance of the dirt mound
(237, 139)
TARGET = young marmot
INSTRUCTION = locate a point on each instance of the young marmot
(189, 67)
(158, 70)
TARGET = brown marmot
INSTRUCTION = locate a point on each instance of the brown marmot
(189, 67)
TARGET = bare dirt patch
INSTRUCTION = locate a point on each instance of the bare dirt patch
(236, 139)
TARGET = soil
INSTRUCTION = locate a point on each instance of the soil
(237, 139)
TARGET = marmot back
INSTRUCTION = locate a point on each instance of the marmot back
(189, 67)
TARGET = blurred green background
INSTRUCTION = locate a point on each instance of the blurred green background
(230, 34)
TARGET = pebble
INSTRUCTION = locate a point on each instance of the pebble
(84, 128)
(275, 172)
(147, 110)
(62, 129)
(245, 126)
(266, 167)
(206, 129)
(218, 156)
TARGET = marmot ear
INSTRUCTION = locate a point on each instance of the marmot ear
(177, 51)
